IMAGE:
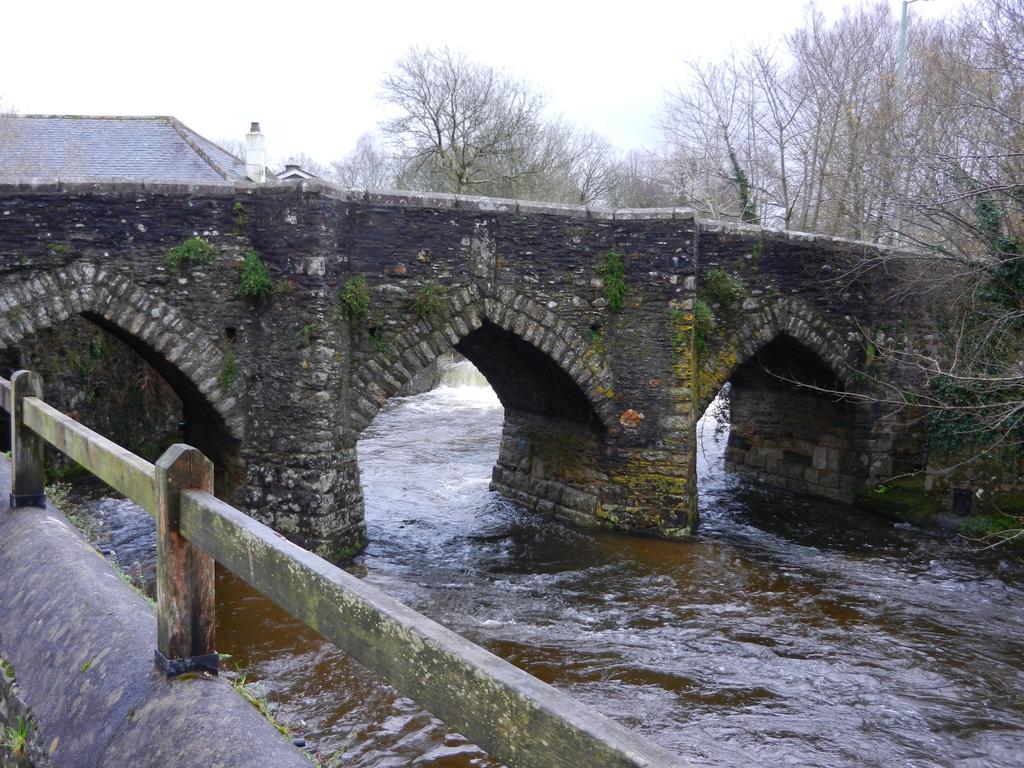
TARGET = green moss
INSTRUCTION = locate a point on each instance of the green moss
(703, 326)
(354, 297)
(994, 524)
(334, 552)
(254, 280)
(428, 300)
(998, 520)
(228, 371)
(902, 499)
(613, 273)
(193, 251)
(58, 249)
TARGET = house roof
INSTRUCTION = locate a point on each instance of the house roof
(68, 147)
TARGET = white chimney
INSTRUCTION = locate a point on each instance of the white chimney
(255, 155)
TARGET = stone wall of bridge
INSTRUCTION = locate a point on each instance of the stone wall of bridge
(600, 405)
(798, 322)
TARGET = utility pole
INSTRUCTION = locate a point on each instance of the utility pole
(901, 95)
(901, 72)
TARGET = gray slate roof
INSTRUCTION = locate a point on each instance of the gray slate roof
(63, 147)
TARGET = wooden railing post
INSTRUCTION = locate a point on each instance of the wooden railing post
(26, 446)
(186, 615)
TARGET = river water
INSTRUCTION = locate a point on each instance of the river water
(790, 632)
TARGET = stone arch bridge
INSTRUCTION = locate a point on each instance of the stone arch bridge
(600, 401)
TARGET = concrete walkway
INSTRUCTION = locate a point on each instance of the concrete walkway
(80, 645)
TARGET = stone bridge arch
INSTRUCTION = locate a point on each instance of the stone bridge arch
(792, 421)
(177, 348)
(470, 319)
(761, 323)
(554, 386)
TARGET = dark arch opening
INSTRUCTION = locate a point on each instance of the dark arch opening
(791, 364)
(202, 426)
(525, 378)
(72, 356)
(790, 425)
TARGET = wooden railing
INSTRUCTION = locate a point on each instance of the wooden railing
(513, 715)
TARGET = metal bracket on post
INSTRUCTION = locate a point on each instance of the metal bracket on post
(210, 664)
(26, 446)
(186, 612)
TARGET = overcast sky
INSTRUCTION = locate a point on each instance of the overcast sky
(310, 71)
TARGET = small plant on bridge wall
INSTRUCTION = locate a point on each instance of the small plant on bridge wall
(613, 272)
(254, 280)
(355, 298)
(193, 251)
(428, 300)
(238, 216)
(378, 339)
(721, 288)
(595, 335)
(307, 333)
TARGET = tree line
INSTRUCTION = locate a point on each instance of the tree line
(820, 133)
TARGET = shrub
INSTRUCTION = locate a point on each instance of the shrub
(355, 298)
(195, 250)
(254, 280)
(721, 287)
(428, 300)
(613, 271)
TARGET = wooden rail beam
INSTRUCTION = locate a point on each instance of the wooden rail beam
(116, 466)
(513, 715)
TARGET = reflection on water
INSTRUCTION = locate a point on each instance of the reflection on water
(790, 632)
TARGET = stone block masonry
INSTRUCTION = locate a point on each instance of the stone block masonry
(369, 289)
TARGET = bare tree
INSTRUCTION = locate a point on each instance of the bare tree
(368, 166)
(640, 180)
(708, 128)
(833, 141)
(461, 126)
